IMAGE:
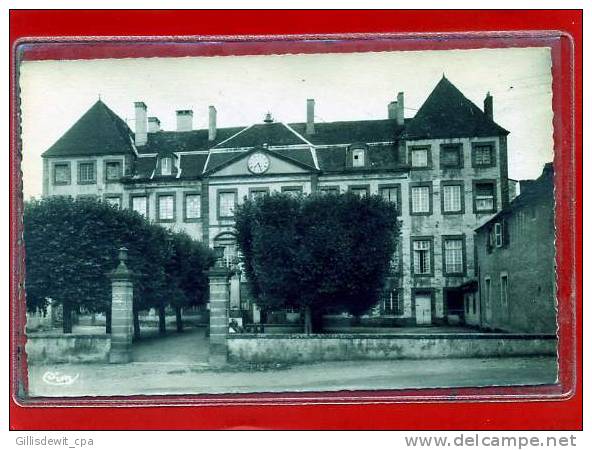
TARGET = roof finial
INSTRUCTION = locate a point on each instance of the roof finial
(268, 118)
(443, 75)
(99, 96)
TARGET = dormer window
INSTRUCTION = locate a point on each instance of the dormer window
(358, 156)
(166, 166)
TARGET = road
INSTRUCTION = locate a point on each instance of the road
(183, 378)
(177, 364)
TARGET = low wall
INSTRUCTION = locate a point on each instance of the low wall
(335, 347)
(72, 348)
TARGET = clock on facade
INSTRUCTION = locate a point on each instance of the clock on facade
(258, 163)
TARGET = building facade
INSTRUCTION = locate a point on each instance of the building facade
(516, 264)
(445, 168)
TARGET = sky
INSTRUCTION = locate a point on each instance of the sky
(355, 86)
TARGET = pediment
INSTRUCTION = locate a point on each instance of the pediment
(275, 165)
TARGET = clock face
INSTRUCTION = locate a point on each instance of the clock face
(258, 163)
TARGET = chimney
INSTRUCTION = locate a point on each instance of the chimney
(310, 110)
(392, 110)
(488, 106)
(141, 136)
(184, 120)
(153, 125)
(400, 108)
(212, 123)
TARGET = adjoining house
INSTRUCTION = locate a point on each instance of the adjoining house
(515, 251)
(446, 169)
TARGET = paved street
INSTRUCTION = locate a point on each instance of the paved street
(176, 364)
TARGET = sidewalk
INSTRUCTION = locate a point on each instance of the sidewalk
(184, 378)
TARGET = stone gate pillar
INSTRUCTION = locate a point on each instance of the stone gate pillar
(122, 297)
(219, 304)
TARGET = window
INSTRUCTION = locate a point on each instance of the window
(391, 302)
(256, 193)
(166, 207)
(474, 298)
(86, 173)
(360, 191)
(498, 234)
(420, 200)
(504, 290)
(390, 194)
(140, 205)
(451, 156)
(112, 170)
(420, 157)
(358, 157)
(490, 238)
(114, 200)
(422, 257)
(192, 206)
(61, 173)
(453, 256)
(166, 166)
(226, 204)
(483, 155)
(329, 190)
(452, 198)
(484, 197)
(293, 191)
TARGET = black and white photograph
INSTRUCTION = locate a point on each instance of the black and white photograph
(289, 223)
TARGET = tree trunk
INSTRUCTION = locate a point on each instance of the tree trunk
(161, 319)
(307, 320)
(66, 318)
(136, 322)
(108, 321)
(179, 319)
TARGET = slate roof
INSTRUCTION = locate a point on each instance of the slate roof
(143, 167)
(98, 132)
(383, 157)
(274, 133)
(349, 132)
(185, 141)
(447, 113)
(192, 165)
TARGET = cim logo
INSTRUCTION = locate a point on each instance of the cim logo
(59, 379)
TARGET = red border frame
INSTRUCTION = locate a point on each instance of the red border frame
(454, 412)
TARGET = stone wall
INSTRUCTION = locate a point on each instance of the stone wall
(67, 348)
(334, 347)
(527, 261)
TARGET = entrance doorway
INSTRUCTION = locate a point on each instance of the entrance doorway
(423, 309)
(455, 306)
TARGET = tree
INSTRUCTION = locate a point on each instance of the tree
(71, 246)
(186, 275)
(317, 252)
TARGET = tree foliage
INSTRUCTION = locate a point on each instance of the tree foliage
(71, 246)
(318, 252)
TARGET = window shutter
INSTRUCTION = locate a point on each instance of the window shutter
(506, 232)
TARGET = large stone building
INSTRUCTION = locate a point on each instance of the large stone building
(445, 168)
(516, 263)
